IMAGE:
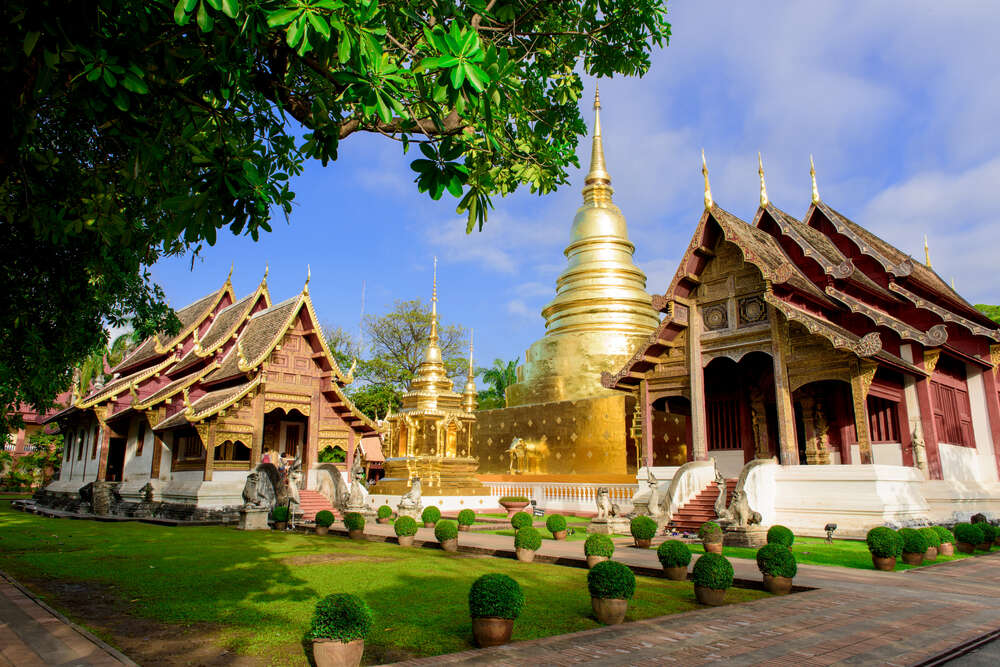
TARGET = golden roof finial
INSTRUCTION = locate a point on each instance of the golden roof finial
(597, 184)
(267, 267)
(309, 274)
(812, 175)
(708, 188)
(953, 284)
(763, 185)
(927, 252)
(434, 304)
(472, 334)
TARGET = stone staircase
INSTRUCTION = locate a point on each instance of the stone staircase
(701, 508)
(314, 502)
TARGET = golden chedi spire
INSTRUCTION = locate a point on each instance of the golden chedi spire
(812, 175)
(763, 185)
(600, 296)
(470, 395)
(431, 378)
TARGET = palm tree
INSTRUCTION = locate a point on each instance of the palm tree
(93, 367)
(500, 376)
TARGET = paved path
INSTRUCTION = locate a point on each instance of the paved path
(33, 635)
(855, 617)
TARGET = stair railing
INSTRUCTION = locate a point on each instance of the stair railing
(689, 480)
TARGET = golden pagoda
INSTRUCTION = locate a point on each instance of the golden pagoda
(431, 436)
(600, 315)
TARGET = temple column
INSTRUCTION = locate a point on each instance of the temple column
(993, 400)
(257, 445)
(789, 451)
(647, 422)
(699, 420)
(209, 442)
(923, 388)
(104, 439)
(862, 374)
(154, 470)
(349, 461)
(310, 454)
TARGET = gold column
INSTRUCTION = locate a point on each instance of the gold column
(210, 452)
(782, 394)
(862, 375)
(647, 423)
(699, 420)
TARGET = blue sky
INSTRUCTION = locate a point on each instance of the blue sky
(898, 102)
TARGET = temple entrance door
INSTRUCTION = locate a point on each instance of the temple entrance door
(116, 460)
(401, 445)
(671, 431)
(800, 434)
(286, 434)
(451, 441)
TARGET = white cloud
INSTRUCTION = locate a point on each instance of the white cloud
(519, 308)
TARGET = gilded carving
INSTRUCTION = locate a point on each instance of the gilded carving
(995, 357)
(930, 359)
(752, 310)
(867, 375)
(715, 316)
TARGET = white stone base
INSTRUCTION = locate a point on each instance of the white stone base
(479, 504)
(953, 500)
(212, 494)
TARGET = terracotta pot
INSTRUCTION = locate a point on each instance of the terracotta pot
(280, 525)
(931, 554)
(559, 535)
(428, 524)
(356, 534)
(334, 653)
(525, 555)
(946, 549)
(777, 585)
(609, 611)
(450, 545)
(322, 530)
(965, 547)
(642, 544)
(405, 540)
(884, 564)
(513, 508)
(463, 528)
(712, 547)
(381, 519)
(678, 573)
(985, 546)
(492, 631)
(594, 560)
(709, 596)
(913, 559)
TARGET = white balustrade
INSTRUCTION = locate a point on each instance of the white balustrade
(565, 496)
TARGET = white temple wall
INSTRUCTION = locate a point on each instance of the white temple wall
(887, 453)
(962, 464)
(138, 467)
(729, 462)
(987, 468)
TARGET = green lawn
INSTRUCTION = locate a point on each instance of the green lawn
(257, 590)
(577, 523)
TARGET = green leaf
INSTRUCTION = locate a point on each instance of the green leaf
(383, 109)
(429, 151)
(457, 76)
(29, 42)
(293, 35)
(135, 85)
(477, 77)
(282, 17)
(455, 185)
(230, 8)
(180, 12)
(215, 4)
(205, 20)
(109, 78)
(320, 25)
(344, 48)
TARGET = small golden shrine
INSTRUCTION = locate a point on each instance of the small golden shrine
(431, 436)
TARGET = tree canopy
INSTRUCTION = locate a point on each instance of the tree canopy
(136, 129)
(992, 312)
(499, 376)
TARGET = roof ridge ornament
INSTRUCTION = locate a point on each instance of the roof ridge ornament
(763, 185)
(927, 253)
(229, 278)
(305, 288)
(708, 188)
(812, 175)
(241, 357)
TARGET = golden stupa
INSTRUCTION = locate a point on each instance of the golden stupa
(598, 318)
(431, 436)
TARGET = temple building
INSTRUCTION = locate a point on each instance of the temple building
(187, 416)
(570, 425)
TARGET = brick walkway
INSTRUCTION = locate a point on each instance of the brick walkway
(33, 635)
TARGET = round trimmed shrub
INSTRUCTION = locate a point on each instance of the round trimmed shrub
(931, 535)
(495, 596)
(970, 533)
(528, 538)
(513, 499)
(324, 518)
(446, 530)
(431, 514)
(384, 512)
(884, 542)
(405, 526)
(599, 545)
(341, 616)
(555, 523)
(610, 580)
(944, 534)
(780, 535)
(989, 532)
(521, 520)
(642, 528)
(673, 553)
(280, 513)
(713, 571)
(466, 518)
(354, 521)
(776, 560)
(710, 532)
(913, 541)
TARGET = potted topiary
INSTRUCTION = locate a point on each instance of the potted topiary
(674, 556)
(521, 520)
(710, 535)
(324, 519)
(431, 515)
(598, 548)
(446, 533)
(777, 564)
(885, 545)
(556, 523)
(513, 504)
(643, 530)
(780, 535)
(947, 547)
(967, 536)
(989, 536)
(712, 575)
(339, 626)
(611, 586)
(280, 516)
(526, 543)
(465, 519)
(384, 513)
(355, 523)
(495, 600)
(406, 528)
(933, 542)
(914, 546)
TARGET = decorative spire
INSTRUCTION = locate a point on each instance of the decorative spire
(305, 289)
(434, 304)
(812, 174)
(597, 184)
(267, 267)
(469, 395)
(472, 333)
(763, 185)
(708, 188)
(229, 278)
(953, 284)
(927, 253)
